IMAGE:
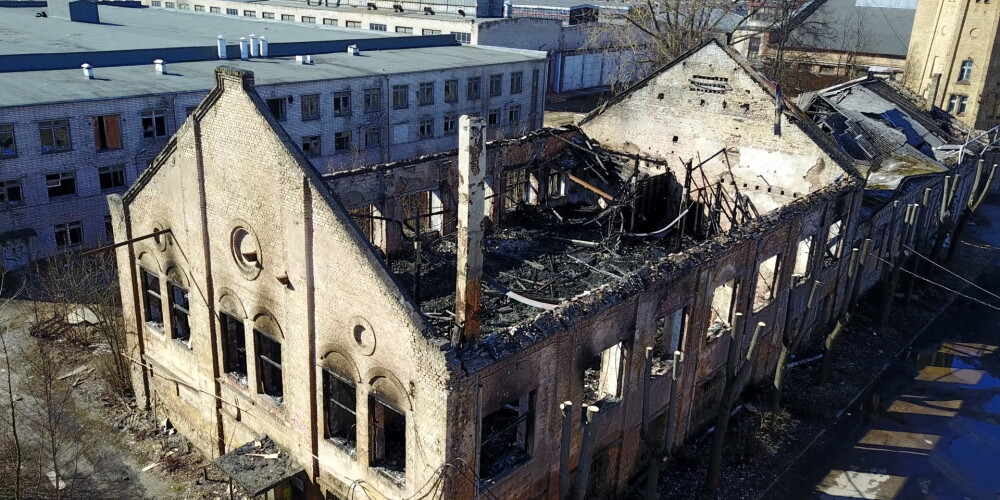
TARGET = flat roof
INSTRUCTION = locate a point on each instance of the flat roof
(124, 28)
(42, 87)
(470, 10)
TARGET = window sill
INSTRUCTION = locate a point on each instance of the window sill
(395, 476)
(315, 118)
(186, 343)
(351, 449)
(107, 150)
(56, 151)
(963, 82)
(116, 189)
(8, 157)
(152, 326)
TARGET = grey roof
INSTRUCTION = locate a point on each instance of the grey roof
(38, 87)
(139, 28)
(470, 10)
(861, 26)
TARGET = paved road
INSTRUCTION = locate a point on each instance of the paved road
(936, 433)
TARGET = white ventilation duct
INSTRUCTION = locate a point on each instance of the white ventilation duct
(353, 50)
(221, 42)
(304, 59)
(253, 45)
(88, 71)
(263, 46)
(244, 49)
(161, 66)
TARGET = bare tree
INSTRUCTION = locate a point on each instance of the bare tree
(10, 486)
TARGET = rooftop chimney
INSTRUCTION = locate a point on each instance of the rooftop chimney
(161, 66)
(471, 203)
(88, 71)
(353, 50)
(253, 45)
(244, 49)
(222, 47)
(263, 46)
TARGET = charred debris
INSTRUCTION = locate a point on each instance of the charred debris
(611, 215)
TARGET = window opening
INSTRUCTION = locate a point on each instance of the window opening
(802, 253)
(474, 88)
(54, 135)
(342, 103)
(310, 107)
(311, 146)
(10, 193)
(277, 108)
(833, 243)
(61, 184)
(112, 176)
(153, 304)
(107, 133)
(506, 436)
(603, 376)
(269, 364)
(339, 411)
(667, 338)
(180, 329)
(721, 316)
(400, 96)
(388, 436)
(496, 85)
(234, 359)
(767, 283)
(373, 99)
(8, 147)
(154, 123)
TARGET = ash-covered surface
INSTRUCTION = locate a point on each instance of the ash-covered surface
(256, 473)
(532, 255)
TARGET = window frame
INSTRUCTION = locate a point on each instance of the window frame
(310, 141)
(6, 188)
(496, 85)
(115, 174)
(157, 119)
(7, 129)
(266, 367)
(152, 310)
(342, 103)
(309, 107)
(474, 88)
(425, 94)
(400, 96)
(52, 126)
(230, 325)
(180, 311)
(373, 99)
(516, 77)
(342, 141)
(61, 178)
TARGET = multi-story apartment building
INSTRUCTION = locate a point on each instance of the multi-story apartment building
(558, 27)
(953, 61)
(68, 139)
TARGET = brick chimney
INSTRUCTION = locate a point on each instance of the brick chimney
(471, 203)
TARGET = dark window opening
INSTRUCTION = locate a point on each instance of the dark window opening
(8, 146)
(310, 107)
(277, 108)
(234, 358)
(311, 146)
(154, 123)
(506, 437)
(340, 419)
(474, 90)
(112, 176)
(516, 189)
(152, 305)
(668, 337)
(10, 193)
(180, 329)
(68, 235)
(269, 364)
(342, 103)
(721, 315)
(61, 184)
(388, 438)
(54, 135)
(107, 133)
(603, 376)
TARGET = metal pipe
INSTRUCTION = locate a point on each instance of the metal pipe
(586, 452)
(567, 431)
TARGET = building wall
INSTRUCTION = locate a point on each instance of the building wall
(944, 35)
(88, 206)
(342, 313)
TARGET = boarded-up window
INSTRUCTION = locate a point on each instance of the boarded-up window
(107, 133)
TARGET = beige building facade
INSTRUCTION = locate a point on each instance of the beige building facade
(954, 59)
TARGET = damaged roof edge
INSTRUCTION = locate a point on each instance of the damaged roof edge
(533, 331)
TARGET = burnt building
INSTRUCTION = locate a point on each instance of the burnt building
(507, 319)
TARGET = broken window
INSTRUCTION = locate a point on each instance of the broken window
(451, 91)
(514, 114)
(234, 355)
(342, 103)
(269, 364)
(310, 107)
(339, 410)
(400, 96)
(474, 88)
(721, 315)
(152, 306)
(154, 123)
(179, 326)
(373, 99)
(667, 338)
(388, 437)
(603, 376)
(10, 193)
(496, 85)
(277, 108)
(417, 213)
(450, 124)
(426, 130)
(342, 141)
(111, 177)
(425, 94)
(833, 243)
(516, 82)
(802, 253)
(516, 188)
(61, 184)
(68, 235)
(767, 283)
(311, 145)
(8, 146)
(373, 137)
(54, 135)
(506, 436)
(107, 133)
(493, 117)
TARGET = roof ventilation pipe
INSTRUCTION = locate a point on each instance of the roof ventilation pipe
(221, 42)
(508, 8)
(304, 59)
(244, 49)
(88, 71)
(263, 46)
(353, 50)
(253, 45)
(161, 66)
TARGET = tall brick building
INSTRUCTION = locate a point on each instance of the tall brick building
(953, 61)
(418, 327)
